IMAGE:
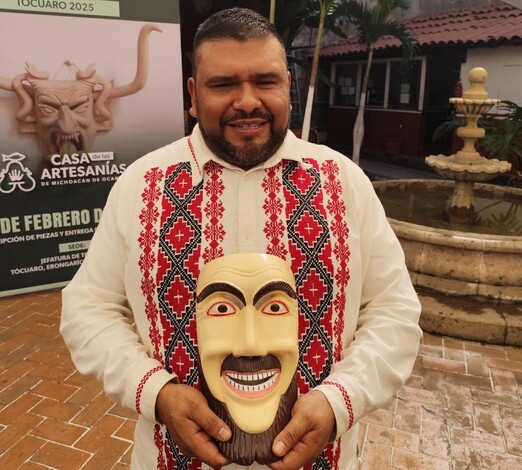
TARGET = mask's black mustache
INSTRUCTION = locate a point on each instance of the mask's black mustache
(250, 364)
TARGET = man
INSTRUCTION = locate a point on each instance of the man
(241, 183)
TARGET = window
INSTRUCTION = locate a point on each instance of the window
(376, 85)
(389, 86)
(346, 84)
(404, 85)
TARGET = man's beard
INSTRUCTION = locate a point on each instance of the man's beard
(250, 155)
(244, 448)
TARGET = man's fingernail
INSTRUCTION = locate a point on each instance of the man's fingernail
(279, 448)
(224, 434)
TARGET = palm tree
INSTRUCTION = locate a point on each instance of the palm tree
(272, 11)
(373, 22)
(325, 7)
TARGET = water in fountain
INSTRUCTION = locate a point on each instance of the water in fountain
(495, 212)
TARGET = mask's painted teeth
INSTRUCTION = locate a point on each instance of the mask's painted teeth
(251, 382)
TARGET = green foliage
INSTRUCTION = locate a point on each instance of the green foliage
(372, 22)
(503, 139)
(292, 16)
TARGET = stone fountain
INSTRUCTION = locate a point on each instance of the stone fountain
(467, 166)
(469, 278)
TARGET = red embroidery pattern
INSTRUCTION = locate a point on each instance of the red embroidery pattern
(309, 247)
(346, 398)
(310, 250)
(274, 227)
(340, 232)
(178, 269)
(147, 241)
(179, 251)
(142, 383)
(214, 231)
(193, 153)
(158, 440)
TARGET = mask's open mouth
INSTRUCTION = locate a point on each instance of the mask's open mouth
(252, 384)
(67, 143)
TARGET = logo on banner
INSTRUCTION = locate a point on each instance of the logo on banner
(92, 167)
(76, 168)
(15, 175)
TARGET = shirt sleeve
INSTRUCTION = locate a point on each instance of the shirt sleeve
(385, 345)
(97, 323)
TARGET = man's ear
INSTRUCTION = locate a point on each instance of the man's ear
(191, 86)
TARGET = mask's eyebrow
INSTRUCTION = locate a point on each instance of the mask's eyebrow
(220, 287)
(275, 286)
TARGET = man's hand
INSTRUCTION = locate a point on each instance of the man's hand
(191, 423)
(307, 433)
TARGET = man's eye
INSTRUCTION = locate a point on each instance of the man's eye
(223, 85)
(275, 307)
(221, 309)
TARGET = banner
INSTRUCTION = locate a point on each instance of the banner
(86, 88)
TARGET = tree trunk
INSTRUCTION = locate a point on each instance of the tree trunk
(358, 127)
(307, 118)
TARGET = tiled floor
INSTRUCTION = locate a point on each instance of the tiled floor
(461, 409)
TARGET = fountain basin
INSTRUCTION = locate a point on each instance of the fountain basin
(459, 262)
(482, 272)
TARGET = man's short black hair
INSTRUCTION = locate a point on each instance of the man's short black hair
(240, 24)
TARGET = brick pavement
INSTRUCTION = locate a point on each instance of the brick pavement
(461, 408)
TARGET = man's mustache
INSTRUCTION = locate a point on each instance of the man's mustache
(250, 364)
(240, 114)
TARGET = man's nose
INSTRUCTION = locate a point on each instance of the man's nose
(247, 98)
(249, 341)
(66, 120)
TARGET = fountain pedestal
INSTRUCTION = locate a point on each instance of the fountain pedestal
(467, 166)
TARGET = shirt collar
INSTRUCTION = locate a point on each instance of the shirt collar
(201, 154)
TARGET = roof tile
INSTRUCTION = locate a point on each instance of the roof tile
(471, 26)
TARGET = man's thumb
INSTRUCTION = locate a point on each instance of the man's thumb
(285, 440)
(214, 426)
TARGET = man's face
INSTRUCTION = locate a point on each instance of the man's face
(247, 326)
(240, 96)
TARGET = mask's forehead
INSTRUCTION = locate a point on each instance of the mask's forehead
(62, 88)
(246, 271)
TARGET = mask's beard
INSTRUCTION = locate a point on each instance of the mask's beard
(250, 154)
(244, 448)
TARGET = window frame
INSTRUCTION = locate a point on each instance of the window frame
(360, 67)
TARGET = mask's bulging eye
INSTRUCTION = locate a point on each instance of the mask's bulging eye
(221, 309)
(275, 307)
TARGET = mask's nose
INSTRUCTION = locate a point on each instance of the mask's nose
(250, 336)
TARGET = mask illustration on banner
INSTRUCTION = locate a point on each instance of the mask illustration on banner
(247, 329)
(66, 114)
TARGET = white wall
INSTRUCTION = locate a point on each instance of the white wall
(504, 67)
